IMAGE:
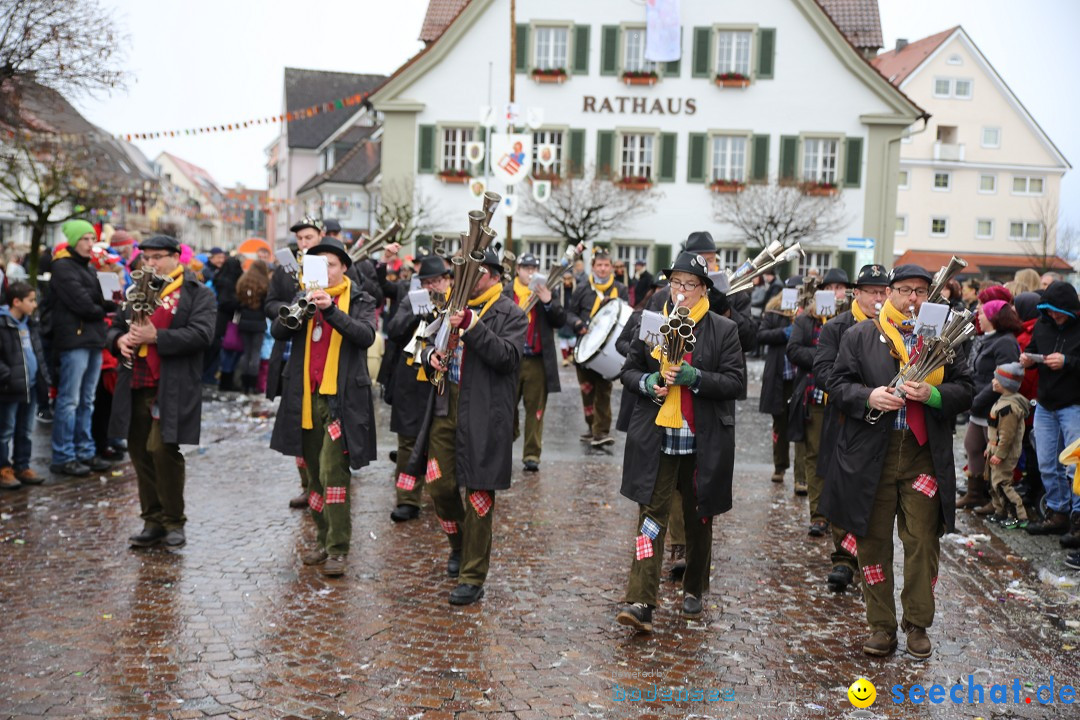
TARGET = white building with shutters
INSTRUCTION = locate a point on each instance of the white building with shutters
(765, 90)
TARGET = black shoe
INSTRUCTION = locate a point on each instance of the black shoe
(72, 467)
(532, 466)
(637, 616)
(840, 577)
(453, 564)
(1069, 541)
(818, 529)
(602, 440)
(97, 463)
(692, 606)
(45, 415)
(299, 501)
(393, 456)
(404, 512)
(678, 569)
(149, 536)
(175, 538)
(466, 594)
(1073, 561)
(112, 454)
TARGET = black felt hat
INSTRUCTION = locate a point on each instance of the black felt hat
(910, 272)
(692, 263)
(432, 266)
(335, 247)
(873, 274)
(161, 242)
(699, 242)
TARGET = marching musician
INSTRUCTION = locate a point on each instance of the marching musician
(411, 388)
(471, 439)
(899, 470)
(697, 458)
(871, 288)
(777, 384)
(157, 403)
(326, 414)
(597, 288)
(539, 362)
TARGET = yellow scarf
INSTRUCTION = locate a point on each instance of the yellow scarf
(600, 290)
(890, 318)
(61, 254)
(421, 376)
(177, 276)
(857, 312)
(522, 292)
(330, 369)
(487, 299)
(670, 415)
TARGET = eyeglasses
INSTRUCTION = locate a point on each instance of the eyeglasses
(905, 290)
(162, 256)
(680, 285)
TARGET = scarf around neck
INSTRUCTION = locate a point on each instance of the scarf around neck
(672, 412)
(330, 370)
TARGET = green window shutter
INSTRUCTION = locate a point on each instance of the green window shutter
(695, 165)
(521, 50)
(789, 157)
(702, 52)
(766, 53)
(661, 257)
(427, 149)
(668, 143)
(759, 159)
(672, 69)
(852, 162)
(609, 50)
(581, 50)
(576, 152)
(605, 152)
(847, 263)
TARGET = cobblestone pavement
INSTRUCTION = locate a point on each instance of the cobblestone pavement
(233, 626)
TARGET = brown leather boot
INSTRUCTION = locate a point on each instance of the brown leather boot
(1056, 523)
(1071, 540)
(880, 644)
(977, 493)
(987, 509)
(918, 643)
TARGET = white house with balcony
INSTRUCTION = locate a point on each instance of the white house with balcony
(765, 91)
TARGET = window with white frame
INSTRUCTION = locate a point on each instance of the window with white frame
(905, 180)
(630, 254)
(1026, 185)
(942, 87)
(991, 137)
(453, 148)
(729, 158)
(988, 183)
(547, 137)
(733, 52)
(901, 224)
(945, 87)
(550, 46)
(955, 60)
(984, 228)
(815, 261)
(942, 181)
(729, 258)
(634, 52)
(820, 160)
(962, 89)
(1025, 230)
(637, 156)
(939, 226)
(546, 251)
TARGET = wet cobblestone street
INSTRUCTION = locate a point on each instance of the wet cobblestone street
(232, 625)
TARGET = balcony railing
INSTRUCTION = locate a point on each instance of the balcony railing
(949, 151)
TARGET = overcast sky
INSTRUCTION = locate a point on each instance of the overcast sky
(209, 62)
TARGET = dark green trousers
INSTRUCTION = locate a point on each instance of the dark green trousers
(532, 387)
(596, 401)
(158, 465)
(468, 522)
(329, 480)
(814, 482)
(405, 494)
(781, 447)
(676, 472)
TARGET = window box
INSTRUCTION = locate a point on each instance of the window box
(640, 77)
(727, 186)
(553, 177)
(732, 80)
(455, 177)
(635, 183)
(556, 76)
(820, 189)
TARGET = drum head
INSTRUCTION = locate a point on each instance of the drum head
(602, 322)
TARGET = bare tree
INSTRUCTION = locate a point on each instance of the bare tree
(1055, 239)
(404, 201)
(765, 213)
(584, 209)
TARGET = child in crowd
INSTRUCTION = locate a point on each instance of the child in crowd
(21, 358)
(1006, 428)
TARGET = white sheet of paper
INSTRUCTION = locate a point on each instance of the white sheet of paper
(110, 283)
(825, 302)
(414, 283)
(720, 281)
(932, 317)
(286, 260)
(537, 281)
(420, 301)
(649, 332)
(315, 273)
(789, 299)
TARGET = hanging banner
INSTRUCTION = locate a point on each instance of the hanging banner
(545, 155)
(541, 190)
(534, 117)
(477, 187)
(474, 152)
(663, 38)
(512, 114)
(510, 155)
(510, 205)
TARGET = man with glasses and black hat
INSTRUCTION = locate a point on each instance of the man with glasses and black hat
(157, 403)
(693, 451)
(871, 288)
(326, 415)
(471, 444)
(898, 471)
(539, 362)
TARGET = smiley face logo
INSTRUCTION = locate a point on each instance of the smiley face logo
(862, 693)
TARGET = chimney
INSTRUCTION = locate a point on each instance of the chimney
(901, 43)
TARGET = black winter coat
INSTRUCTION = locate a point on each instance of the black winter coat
(773, 334)
(75, 305)
(549, 320)
(15, 384)
(1058, 388)
(578, 312)
(828, 348)
(622, 345)
(409, 396)
(181, 347)
(718, 356)
(996, 349)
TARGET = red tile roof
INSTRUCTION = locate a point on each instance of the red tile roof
(979, 263)
(859, 20)
(440, 13)
(896, 65)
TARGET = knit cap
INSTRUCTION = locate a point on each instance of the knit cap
(75, 229)
(1009, 375)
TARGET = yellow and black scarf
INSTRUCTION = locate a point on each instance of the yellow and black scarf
(671, 412)
(607, 287)
(889, 319)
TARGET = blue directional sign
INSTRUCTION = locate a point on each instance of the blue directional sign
(860, 243)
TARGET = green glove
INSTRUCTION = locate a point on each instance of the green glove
(687, 375)
(650, 381)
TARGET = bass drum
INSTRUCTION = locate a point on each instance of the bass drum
(595, 349)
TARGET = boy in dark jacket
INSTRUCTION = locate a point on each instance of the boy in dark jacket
(21, 357)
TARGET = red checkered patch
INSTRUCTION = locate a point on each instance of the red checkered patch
(539, 414)
(588, 411)
(926, 484)
(643, 547)
(481, 502)
(933, 583)
(775, 437)
(406, 482)
(315, 502)
(873, 574)
(586, 387)
(433, 471)
(449, 526)
(335, 495)
(848, 543)
(301, 462)
(334, 429)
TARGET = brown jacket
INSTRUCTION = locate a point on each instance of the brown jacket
(1006, 423)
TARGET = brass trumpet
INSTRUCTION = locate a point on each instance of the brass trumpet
(365, 247)
(944, 275)
(775, 254)
(292, 316)
(555, 274)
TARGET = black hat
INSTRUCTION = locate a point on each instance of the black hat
(334, 246)
(835, 276)
(528, 260)
(491, 258)
(432, 266)
(307, 222)
(699, 242)
(793, 282)
(909, 272)
(161, 242)
(873, 274)
(216, 251)
(692, 263)
(331, 225)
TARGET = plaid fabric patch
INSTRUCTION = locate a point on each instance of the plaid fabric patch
(301, 462)
(481, 502)
(651, 528)
(678, 442)
(335, 495)
(406, 482)
(433, 471)
(848, 543)
(775, 437)
(926, 484)
(588, 411)
(586, 388)
(873, 574)
(449, 526)
(643, 547)
(539, 415)
(315, 502)
(334, 429)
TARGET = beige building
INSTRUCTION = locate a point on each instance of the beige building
(982, 179)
